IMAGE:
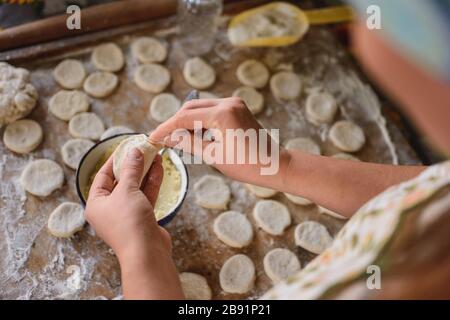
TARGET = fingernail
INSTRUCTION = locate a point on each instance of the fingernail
(135, 154)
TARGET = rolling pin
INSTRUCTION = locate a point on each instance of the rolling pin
(94, 18)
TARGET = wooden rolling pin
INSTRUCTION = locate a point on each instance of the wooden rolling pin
(94, 18)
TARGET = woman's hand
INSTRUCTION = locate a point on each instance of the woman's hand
(339, 185)
(123, 217)
(220, 116)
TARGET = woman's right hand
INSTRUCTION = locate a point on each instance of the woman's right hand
(218, 116)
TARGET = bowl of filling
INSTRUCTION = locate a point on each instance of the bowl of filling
(172, 192)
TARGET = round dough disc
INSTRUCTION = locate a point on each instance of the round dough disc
(152, 78)
(73, 150)
(253, 73)
(198, 73)
(237, 274)
(280, 263)
(86, 125)
(195, 286)
(252, 98)
(108, 57)
(271, 216)
(261, 192)
(69, 74)
(164, 106)
(115, 130)
(139, 141)
(345, 156)
(234, 229)
(149, 50)
(321, 108)
(65, 104)
(298, 200)
(66, 219)
(100, 84)
(303, 144)
(23, 136)
(42, 177)
(212, 192)
(312, 236)
(285, 85)
(347, 136)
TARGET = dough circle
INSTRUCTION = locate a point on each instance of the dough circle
(41, 177)
(234, 229)
(86, 125)
(285, 85)
(115, 130)
(253, 73)
(100, 84)
(345, 156)
(73, 150)
(303, 144)
(261, 192)
(280, 263)
(23, 136)
(69, 74)
(65, 104)
(271, 216)
(312, 236)
(237, 274)
(195, 286)
(347, 136)
(149, 50)
(320, 108)
(212, 192)
(252, 98)
(66, 220)
(164, 106)
(152, 78)
(298, 200)
(198, 73)
(139, 141)
(108, 57)
(17, 96)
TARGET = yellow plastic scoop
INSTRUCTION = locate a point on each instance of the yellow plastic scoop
(280, 24)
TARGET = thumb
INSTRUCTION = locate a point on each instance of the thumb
(132, 169)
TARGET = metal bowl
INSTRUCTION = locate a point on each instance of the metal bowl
(95, 153)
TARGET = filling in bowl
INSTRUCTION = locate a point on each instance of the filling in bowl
(169, 192)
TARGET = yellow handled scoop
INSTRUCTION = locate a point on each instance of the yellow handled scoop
(280, 24)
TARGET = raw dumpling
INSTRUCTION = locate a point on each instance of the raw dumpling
(234, 229)
(347, 136)
(139, 141)
(237, 274)
(66, 220)
(198, 73)
(42, 177)
(271, 216)
(212, 192)
(23, 136)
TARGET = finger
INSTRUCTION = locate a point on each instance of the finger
(132, 169)
(181, 120)
(154, 180)
(103, 183)
(192, 145)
